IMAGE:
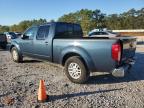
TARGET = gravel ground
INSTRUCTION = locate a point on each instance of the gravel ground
(19, 84)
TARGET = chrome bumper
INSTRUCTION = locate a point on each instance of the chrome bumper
(121, 71)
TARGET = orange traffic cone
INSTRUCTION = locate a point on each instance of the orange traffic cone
(42, 96)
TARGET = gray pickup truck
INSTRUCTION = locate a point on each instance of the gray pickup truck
(63, 43)
(3, 41)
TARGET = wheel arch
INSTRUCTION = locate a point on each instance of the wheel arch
(72, 54)
(17, 47)
(85, 57)
(11, 47)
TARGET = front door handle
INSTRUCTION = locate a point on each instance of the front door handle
(46, 43)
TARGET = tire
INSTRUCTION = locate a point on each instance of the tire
(16, 56)
(75, 70)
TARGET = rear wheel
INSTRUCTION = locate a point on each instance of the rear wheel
(15, 55)
(76, 70)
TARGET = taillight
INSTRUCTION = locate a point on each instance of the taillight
(116, 52)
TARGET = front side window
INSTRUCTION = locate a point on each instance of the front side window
(68, 30)
(30, 33)
(43, 32)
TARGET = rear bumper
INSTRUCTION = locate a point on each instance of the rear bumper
(122, 70)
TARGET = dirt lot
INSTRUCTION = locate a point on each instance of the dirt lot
(19, 85)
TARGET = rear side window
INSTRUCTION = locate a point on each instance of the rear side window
(61, 30)
(43, 32)
(68, 30)
(77, 30)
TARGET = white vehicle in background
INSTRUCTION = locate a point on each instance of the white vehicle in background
(10, 35)
(102, 33)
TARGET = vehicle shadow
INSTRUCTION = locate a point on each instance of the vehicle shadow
(3, 49)
(135, 74)
(31, 61)
(6, 49)
(68, 96)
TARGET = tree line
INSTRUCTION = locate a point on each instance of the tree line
(22, 25)
(90, 19)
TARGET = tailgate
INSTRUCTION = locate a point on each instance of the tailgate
(129, 47)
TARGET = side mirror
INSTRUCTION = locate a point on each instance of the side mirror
(24, 36)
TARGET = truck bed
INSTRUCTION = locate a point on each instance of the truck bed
(96, 49)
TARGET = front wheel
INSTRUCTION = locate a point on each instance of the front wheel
(16, 56)
(76, 70)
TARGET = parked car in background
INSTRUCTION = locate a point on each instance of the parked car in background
(3, 41)
(64, 43)
(18, 34)
(10, 35)
(101, 33)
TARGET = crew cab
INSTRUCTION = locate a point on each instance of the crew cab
(63, 43)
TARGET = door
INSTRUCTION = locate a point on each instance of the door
(42, 45)
(27, 41)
